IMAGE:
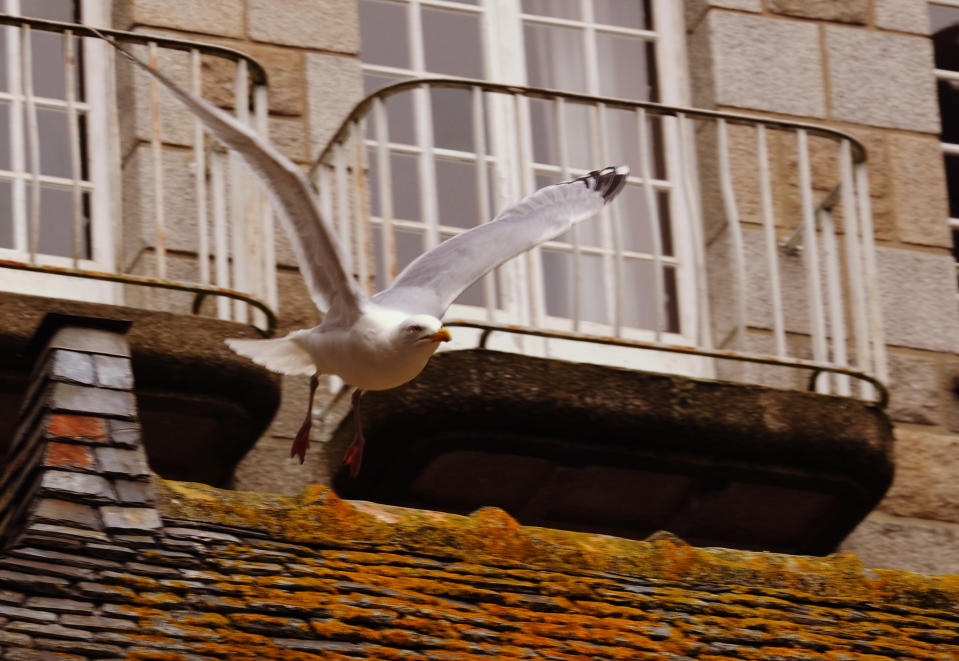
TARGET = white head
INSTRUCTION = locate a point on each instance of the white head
(421, 330)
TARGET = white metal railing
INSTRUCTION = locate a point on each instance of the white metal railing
(738, 240)
(155, 205)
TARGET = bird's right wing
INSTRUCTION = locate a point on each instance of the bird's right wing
(310, 235)
(431, 283)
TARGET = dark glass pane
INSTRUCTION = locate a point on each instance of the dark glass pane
(555, 57)
(65, 11)
(452, 118)
(672, 299)
(406, 186)
(4, 85)
(409, 245)
(952, 181)
(558, 282)
(6, 215)
(399, 110)
(54, 142)
(452, 42)
(383, 33)
(626, 70)
(5, 136)
(624, 13)
(456, 193)
(949, 110)
(56, 223)
(555, 8)
(49, 78)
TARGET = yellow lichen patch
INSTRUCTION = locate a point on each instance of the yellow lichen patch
(337, 630)
(491, 537)
(199, 619)
(133, 580)
(160, 598)
(147, 655)
(256, 621)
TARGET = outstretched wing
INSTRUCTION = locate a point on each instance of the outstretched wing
(311, 237)
(433, 280)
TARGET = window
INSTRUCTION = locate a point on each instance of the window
(944, 27)
(66, 153)
(601, 278)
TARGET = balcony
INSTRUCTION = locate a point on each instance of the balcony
(740, 252)
(118, 204)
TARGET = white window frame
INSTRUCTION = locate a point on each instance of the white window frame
(102, 168)
(502, 28)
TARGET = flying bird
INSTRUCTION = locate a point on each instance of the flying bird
(383, 341)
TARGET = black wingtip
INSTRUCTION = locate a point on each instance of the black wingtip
(608, 182)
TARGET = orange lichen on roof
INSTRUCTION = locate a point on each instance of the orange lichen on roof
(65, 425)
(489, 535)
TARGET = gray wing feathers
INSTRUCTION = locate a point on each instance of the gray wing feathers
(431, 283)
(311, 237)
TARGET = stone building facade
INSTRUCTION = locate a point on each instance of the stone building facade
(863, 66)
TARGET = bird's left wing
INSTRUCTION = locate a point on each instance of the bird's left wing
(311, 237)
(431, 283)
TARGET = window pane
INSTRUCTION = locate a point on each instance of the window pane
(456, 193)
(4, 62)
(409, 245)
(399, 110)
(6, 215)
(452, 118)
(559, 283)
(52, 10)
(627, 67)
(383, 33)
(56, 223)
(54, 142)
(949, 110)
(944, 27)
(952, 181)
(554, 8)
(451, 42)
(5, 136)
(624, 13)
(555, 58)
(406, 186)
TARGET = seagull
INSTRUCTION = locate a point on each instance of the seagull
(383, 341)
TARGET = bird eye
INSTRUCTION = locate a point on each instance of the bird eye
(414, 329)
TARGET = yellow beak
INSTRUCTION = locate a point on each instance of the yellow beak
(442, 335)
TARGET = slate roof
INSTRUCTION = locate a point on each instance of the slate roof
(103, 562)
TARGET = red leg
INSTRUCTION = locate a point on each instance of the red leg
(354, 453)
(302, 440)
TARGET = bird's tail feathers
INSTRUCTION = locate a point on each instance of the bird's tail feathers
(283, 355)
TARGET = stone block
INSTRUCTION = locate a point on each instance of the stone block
(914, 390)
(51, 631)
(90, 488)
(117, 461)
(903, 15)
(97, 622)
(922, 315)
(72, 366)
(26, 614)
(288, 134)
(284, 70)
(128, 519)
(882, 79)
(77, 427)
(114, 372)
(65, 512)
(845, 11)
(766, 64)
(97, 401)
(914, 545)
(90, 340)
(695, 9)
(334, 86)
(332, 25)
(71, 559)
(68, 455)
(63, 534)
(222, 18)
(925, 485)
(33, 583)
(919, 190)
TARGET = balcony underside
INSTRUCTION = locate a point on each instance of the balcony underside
(586, 447)
(201, 406)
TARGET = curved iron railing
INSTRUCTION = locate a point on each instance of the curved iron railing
(739, 249)
(192, 237)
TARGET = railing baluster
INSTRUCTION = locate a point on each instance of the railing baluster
(837, 323)
(562, 146)
(73, 131)
(324, 185)
(811, 258)
(423, 127)
(532, 260)
(33, 140)
(881, 367)
(735, 232)
(261, 109)
(156, 151)
(220, 220)
(363, 234)
(611, 215)
(238, 196)
(199, 176)
(384, 186)
(610, 281)
(652, 206)
(18, 157)
(343, 208)
(769, 229)
(483, 214)
(854, 265)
